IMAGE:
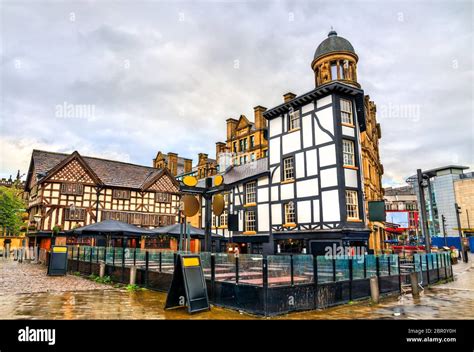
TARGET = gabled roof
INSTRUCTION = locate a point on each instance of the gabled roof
(108, 172)
(244, 122)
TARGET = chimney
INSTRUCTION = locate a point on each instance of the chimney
(260, 121)
(220, 148)
(231, 126)
(173, 163)
(202, 158)
(288, 96)
(188, 165)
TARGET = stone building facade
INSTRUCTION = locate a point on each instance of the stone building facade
(464, 191)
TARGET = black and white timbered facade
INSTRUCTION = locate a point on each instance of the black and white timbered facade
(316, 196)
(307, 194)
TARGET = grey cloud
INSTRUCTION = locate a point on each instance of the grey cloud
(181, 83)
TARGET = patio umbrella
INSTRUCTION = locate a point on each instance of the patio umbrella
(110, 227)
(174, 230)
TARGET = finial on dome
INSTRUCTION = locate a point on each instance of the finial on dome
(332, 32)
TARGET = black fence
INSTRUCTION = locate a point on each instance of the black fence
(270, 285)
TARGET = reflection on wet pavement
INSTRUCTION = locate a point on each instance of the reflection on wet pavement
(435, 303)
(454, 300)
(100, 304)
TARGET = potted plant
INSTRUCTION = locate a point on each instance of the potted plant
(56, 230)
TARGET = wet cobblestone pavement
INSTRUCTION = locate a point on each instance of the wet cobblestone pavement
(27, 293)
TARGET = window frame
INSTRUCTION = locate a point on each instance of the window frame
(351, 208)
(289, 169)
(294, 121)
(76, 214)
(78, 191)
(348, 153)
(121, 197)
(250, 221)
(347, 116)
(163, 200)
(289, 216)
(251, 192)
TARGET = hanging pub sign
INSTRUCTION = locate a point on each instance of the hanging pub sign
(188, 286)
(233, 222)
(57, 261)
(377, 211)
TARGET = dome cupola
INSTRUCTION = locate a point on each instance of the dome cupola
(335, 60)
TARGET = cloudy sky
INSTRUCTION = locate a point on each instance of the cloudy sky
(145, 76)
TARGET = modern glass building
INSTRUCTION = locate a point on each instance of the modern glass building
(440, 198)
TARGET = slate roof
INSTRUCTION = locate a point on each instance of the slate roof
(242, 172)
(110, 172)
(333, 43)
(398, 191)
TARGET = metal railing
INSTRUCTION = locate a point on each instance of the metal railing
(269, 271)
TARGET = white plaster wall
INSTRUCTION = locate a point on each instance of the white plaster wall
(276, 175)
(307, 108)
(275, 126)
(307, 131)
(316, 210)
(324, 101)
(299, 164)
(263, 217)
(274, 193)
(287, 191)
(320, 136)
(350, 177)
(276, 214)
(274, 150)
(330, 204)
(263, 181)
(312, 162)
(327, 155)
(328, 177)
(347, 131)
(304, 211)
(326, 119)
(307, 188)
(291, 142)
(262, 194)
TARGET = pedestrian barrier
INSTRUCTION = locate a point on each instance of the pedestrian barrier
(270, 285)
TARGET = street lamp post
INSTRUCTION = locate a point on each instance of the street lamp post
(457, 208)
(424, 223)
(443, 220)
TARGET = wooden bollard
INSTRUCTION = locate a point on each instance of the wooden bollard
(102, 269)
(133, 274)
(414, 285)
(374, 289)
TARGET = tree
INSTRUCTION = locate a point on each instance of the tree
(11, 208)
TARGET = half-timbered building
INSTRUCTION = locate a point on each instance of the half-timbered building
(66, 191)
(308, 194)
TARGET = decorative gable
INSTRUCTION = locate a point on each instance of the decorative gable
(243, 122)
(72, 172)
(164, 184)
